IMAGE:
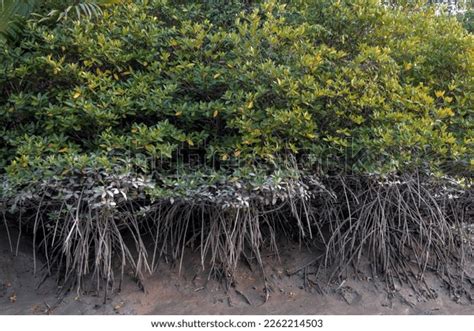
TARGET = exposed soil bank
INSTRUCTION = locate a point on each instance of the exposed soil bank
(190, 292)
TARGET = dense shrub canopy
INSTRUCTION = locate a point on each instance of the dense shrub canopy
(338, 85)
(224, 125)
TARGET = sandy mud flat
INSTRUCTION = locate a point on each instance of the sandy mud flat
(292, 289)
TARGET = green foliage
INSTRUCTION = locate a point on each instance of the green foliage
(78, 9)
(11, 14)
(223, 124)
(356, 86)
(467, 20)
(14, 12)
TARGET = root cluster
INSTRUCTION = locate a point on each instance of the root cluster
(403, 225)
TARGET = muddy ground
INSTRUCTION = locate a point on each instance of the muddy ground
(293, 290)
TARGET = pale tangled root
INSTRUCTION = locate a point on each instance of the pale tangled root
(404, 225)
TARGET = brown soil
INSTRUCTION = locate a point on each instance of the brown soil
(192, 291)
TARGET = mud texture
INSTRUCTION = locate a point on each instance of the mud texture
(291, 287)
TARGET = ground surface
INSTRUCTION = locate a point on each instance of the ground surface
(169, 291)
